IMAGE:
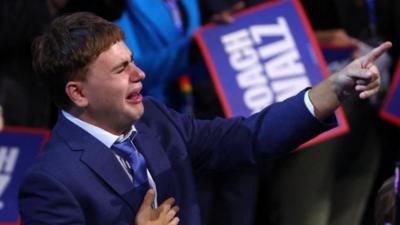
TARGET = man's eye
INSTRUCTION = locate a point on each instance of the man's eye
(122, 67)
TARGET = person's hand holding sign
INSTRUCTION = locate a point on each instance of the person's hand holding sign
(360, 78)
(226, 16)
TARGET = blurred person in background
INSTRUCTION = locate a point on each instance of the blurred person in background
(385, 203)
(25, 101)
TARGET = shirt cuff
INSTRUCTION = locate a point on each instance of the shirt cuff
(308, 103)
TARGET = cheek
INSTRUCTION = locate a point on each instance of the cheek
(113, 97)
(104, 96)
(107, 92)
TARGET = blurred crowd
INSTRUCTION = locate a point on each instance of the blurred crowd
(331, 183)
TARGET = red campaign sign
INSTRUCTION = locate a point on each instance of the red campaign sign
(18, 147)
(390, 110)
(268, 54)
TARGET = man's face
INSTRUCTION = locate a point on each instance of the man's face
(112, 90)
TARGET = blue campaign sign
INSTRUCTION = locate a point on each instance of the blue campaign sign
(267, 55)
(391, 106)
(18, 148)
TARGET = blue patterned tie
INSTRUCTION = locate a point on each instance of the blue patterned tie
(128, 151)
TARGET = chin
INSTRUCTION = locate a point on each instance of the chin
(137, 112)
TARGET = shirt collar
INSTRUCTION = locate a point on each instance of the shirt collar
(105, 137)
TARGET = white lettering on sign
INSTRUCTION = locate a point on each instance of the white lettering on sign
(8, 160)
(266, 70)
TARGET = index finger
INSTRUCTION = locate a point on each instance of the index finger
(148, 199)
(373, 55)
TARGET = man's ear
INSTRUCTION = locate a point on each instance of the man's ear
(75, 93)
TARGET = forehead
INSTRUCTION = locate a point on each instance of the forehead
(118, 51)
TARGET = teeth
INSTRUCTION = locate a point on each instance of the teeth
(133, 94)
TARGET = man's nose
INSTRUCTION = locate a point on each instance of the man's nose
(136, 74)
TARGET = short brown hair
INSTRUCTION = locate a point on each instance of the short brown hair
(64, 51)
(385, 204)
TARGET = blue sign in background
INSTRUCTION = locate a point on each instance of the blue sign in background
(224, 75)
(28, 143)
(262, 16)
(394, 105)
(391, 107)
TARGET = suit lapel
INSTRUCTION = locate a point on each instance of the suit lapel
(99, 158)
(157, 161)
(106, 166)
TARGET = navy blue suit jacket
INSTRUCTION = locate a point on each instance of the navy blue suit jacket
(78, 180)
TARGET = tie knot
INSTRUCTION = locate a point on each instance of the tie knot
(128, 151)
(124, 148)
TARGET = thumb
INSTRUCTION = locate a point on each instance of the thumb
(373, 55)
(148, 199)
(227, 17)
(237, 7)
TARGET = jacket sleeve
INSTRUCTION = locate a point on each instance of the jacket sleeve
(44, 200)
(223, 144)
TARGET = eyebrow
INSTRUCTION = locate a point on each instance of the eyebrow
(122, 64)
